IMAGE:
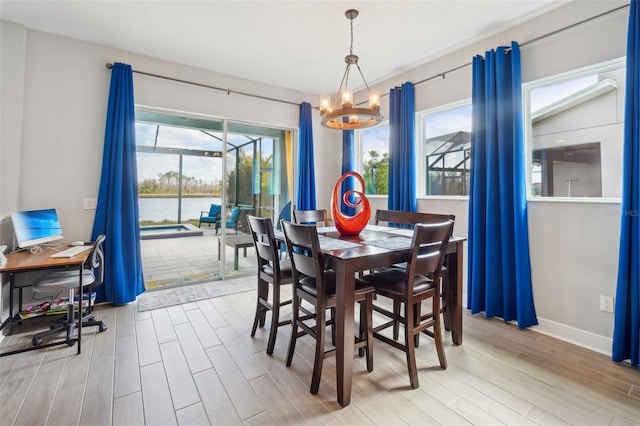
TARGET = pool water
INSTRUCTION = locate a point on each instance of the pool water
(169, 231)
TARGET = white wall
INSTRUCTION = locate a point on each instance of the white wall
(573, 245)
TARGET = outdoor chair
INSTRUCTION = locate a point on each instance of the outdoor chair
(232, 221)
(212, 216)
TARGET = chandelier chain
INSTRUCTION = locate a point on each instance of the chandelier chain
(351, 45)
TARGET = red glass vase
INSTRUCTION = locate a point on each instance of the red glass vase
(350, 225)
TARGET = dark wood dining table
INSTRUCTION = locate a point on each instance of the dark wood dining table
(377, 247)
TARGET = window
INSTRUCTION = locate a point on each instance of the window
(445, 138)
(374, 149)
(574, 127)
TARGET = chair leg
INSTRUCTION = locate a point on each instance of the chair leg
(275, 318)
(396, 321)
(260, 314)
(333, 326)
(369, 329)
(437, 335)
(409, 347)
(294, 329)
(318, 361)
(416, 321)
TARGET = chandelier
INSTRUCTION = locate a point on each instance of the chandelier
(341, 113)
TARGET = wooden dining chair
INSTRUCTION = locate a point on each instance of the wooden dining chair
(317, 286)
(271, 271)
(397, 218)
(420, 281)
(317, 217)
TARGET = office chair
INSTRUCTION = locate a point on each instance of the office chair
(92, 276)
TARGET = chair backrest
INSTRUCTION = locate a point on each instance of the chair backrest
(264, 241)
(430, 241)
(235, 213)
(397, 218)
(311, 217)
(305, 254)
(215, 210)
(97, 259)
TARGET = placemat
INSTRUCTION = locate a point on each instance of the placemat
(393, 243)
(402, 232)
(327, 243)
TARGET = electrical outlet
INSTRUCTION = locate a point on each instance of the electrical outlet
(606, 303)
(90, 203)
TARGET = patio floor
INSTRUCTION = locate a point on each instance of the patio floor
(170, 262)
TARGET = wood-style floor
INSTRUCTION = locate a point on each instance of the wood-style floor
(195, 364)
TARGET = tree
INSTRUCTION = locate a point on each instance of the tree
(376, 173)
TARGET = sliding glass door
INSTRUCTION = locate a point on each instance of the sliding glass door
(186, 165)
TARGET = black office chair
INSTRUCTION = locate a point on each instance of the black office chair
(313, 283)
(92, 276)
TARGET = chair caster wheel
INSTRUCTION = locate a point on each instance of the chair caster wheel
(102, 328)
(36, 341)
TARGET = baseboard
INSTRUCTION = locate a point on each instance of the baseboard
(585, 339)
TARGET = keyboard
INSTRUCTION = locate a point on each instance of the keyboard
(71, 251)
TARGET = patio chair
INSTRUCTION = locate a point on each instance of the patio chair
(212, 216)
(232, 221)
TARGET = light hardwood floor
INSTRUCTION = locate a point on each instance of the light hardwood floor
(195, 364)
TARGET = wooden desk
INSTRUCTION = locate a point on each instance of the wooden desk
(347, 262)
(24, 261)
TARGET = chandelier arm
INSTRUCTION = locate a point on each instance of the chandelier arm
(365, 81)
(345, 76)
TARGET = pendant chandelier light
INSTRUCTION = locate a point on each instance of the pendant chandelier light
(341, 113)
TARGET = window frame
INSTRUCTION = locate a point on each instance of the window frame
(421, 166)
(527, 88)
(359, 153)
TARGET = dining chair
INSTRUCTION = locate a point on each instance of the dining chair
(397, 218)
(317, 217)
(271, 271)
(420, 281)
(58, 281)
(317, 286)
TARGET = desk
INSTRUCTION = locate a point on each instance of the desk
(239, 241)
(24, 261)
(346, 262)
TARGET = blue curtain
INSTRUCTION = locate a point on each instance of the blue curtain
(117, 211)
(306, 197)
(402, 169)
(348, 154)
(626, 332)
(499, 281)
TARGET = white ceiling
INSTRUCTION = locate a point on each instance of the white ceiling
(294, 44)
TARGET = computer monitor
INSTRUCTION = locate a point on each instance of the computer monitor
(35, 227)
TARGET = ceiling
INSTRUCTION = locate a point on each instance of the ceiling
(298, 45)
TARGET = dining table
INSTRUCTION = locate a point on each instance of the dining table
(377, 247)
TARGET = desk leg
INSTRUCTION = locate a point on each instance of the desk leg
(345, 295)
(11, 290)
(454, 293)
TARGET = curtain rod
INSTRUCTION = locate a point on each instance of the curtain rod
(439, 75)
(221, 89)
(533, 40)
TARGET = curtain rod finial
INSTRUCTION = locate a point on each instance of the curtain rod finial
(109, 65)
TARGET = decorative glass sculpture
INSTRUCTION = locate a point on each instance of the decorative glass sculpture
(350, 225)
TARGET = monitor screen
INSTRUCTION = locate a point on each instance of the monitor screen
(36, 227)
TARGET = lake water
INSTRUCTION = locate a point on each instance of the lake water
(161, 209)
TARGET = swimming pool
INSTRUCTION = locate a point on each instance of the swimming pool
(169, 231)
